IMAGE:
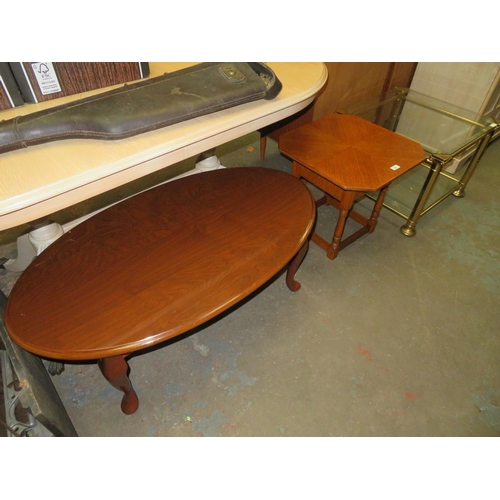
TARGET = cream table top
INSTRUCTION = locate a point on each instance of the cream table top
(42, 179)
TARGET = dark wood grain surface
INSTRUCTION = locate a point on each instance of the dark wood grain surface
(160, 263)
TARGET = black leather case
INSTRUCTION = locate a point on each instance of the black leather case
(146, 105)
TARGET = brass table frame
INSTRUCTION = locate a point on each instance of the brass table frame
(436, 162)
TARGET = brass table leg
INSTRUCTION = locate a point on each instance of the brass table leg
(408, 229)
(460, 191)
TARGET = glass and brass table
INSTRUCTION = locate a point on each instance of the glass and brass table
(446, 133)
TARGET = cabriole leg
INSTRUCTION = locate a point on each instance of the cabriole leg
(115, 371)
(293, 266)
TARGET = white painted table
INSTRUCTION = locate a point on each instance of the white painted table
(40, 180)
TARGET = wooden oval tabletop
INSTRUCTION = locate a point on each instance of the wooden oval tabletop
(160, 263)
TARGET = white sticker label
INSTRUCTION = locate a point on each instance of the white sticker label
(46, 77)
(395, 167)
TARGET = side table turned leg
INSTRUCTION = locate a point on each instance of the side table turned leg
(115, 371)
(344, 208)
(377, 208)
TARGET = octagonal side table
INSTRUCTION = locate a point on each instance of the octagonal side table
(346, 157)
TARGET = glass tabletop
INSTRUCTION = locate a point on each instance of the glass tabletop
(441, 128)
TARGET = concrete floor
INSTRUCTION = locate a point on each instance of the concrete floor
(396, 337)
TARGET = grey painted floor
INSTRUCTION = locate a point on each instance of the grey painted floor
(396, 337)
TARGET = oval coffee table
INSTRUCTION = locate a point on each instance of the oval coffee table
(159, 264)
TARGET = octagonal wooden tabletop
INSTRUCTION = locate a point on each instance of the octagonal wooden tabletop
(351, 152)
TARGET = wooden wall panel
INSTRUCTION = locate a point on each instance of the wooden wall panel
(403, 74)
(352, 82)
(348, 83)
